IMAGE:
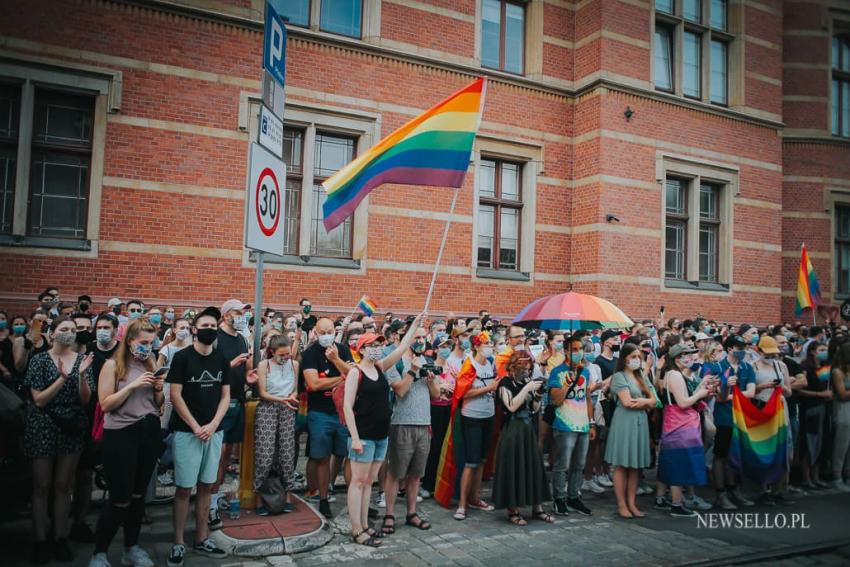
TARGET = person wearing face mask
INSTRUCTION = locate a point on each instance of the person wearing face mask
(7, 360)
(798, 381)
(135, 309)
(308, 322)
(606, 361)
(681, 457)
(116, 306)
(594, 469)
(274, 423)
(182, 339)
(154, 315)
(199, 378)
(520, 475)
(131, 397)
(49, 300)
(231, 342)
(627, 448)
(18, 330)
(440, 409)
(814, 400)
(733, 371)
(84, 305)
(368, 416)
(573, 426)
(551, 357)
(59, 381)
(409, 438)
(168, 317)
(324, 365)
(85, 334)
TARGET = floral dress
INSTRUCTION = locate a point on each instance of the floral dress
(42, 437)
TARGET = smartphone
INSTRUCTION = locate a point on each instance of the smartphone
(162, 371)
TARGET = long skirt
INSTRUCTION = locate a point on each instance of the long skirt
(520, 475)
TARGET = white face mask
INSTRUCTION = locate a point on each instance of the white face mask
(326, 340)
(104, 336)
(182, 335)
(634, 363)
(373, 354)
(487, 352)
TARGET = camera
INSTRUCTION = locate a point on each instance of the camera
(429, 367)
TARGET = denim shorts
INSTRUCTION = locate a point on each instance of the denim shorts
(372, 450)
(327, 435)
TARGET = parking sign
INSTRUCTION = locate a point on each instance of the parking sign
(274, 50)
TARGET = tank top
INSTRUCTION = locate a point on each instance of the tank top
(139, 404)
(280, 380)
(372, 411)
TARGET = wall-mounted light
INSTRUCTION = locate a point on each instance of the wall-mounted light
(628, 113)
(611, 218)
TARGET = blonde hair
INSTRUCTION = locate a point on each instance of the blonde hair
(123, 354)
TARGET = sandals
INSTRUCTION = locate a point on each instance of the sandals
(517, 519)
(422, 525)
(388, 529)
(460, 515)
(481, 505)
(544, 516)
(370, 542)
(372, 532)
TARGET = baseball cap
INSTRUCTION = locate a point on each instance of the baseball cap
(608, 334)
(213, 311)
(701, 337)
(84, 298)
(768, 345)
(457, 331)
(440, 339)
(744, 328)
(368, 339)
(232, 304)
(113, 302)
(680, 349)
(734, 341)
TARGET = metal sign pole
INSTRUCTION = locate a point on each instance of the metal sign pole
(258, 309)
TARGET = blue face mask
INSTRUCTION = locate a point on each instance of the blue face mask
(739, 355)
(135, 314)
(576, 358)
(823, 356)
(754, 340)
(19, 329)
(706, 330)
(466, 344)
(444, 353)
(3, 325)
(696, 366)
(559, 347)
(589, 357)
(156, 318)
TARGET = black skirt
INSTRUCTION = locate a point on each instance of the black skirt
(520, 474)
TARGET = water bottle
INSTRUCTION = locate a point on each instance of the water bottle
(234, 509)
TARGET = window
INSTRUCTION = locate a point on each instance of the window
(298, 11)
(709, 232)
(841, 86)
(10, 106)
(293, 156)
(676, 208)
(700, 26)
(503, 35)
(842, 250)
(499, 213)
(341, 16)
(331, 153)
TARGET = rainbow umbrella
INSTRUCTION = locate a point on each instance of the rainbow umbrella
(573, 311)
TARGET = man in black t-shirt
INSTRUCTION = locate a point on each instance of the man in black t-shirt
(309, 321)
(199, 379)
(324, 365)
(606, 361)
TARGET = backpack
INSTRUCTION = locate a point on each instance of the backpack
(338, 396)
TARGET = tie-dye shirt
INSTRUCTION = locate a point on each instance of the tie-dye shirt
(572, 414)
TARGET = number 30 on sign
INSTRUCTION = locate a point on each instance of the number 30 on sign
(264, 230)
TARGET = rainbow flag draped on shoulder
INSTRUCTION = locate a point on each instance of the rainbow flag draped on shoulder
(451, 456)
(759, 449)
(431, 149)
(808, 286)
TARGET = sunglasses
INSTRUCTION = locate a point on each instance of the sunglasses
(135, 310)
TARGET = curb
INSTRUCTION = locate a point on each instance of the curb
(276, 545)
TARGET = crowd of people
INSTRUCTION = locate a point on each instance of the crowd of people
(408, 408)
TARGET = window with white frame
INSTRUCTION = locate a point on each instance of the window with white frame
(499, 214)
(697, 221)
(503, 35)
(691, 49)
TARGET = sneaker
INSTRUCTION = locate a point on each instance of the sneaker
(821, 484)
(100, 560)
(661, 503)
(165, 479)
(262, 511)
(679, 511)
(644, 489)
(81, 533)
(40, 553)
(590, 485)
(840, 486)
(288, 508)
(325, 509)
(313, 497)
(766, 499)
(697, 503)
(223, 503)
(62, 551)
(795, 489)
(603, 481)
(739, 499)
(136, 557)
(382, 500)
(175, 559)
(163, 499)
(560, 507)
(210, 549)
(298, 477)
(423, 494)
(214, 521)
(577, 505)
(724, 502)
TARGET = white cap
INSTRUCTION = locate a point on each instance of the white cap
(701, 337)
(113, 302)
(231, 304)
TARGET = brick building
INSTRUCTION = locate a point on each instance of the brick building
(674, 152)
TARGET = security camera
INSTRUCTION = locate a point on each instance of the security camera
(611, 218)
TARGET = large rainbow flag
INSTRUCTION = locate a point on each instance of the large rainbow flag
(451, 455)
(808, 286)
(759, 449)
(431, 149)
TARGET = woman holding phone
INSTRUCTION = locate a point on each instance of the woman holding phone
(131, 396)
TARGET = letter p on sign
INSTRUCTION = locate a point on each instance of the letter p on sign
(274, 50)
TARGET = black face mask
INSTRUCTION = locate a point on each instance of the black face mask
(116, 310)
(615, 348)
(84, 306)
(84, 337)
(207, 336)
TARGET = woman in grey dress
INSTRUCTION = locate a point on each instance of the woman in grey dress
(628, 436)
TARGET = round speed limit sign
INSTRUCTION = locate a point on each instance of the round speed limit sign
(267, 201)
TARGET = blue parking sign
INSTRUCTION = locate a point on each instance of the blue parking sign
(274, 50)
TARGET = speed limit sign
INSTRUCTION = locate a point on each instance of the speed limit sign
(264, 230)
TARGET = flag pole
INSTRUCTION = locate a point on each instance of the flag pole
(442, 247)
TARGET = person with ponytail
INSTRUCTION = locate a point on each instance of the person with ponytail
(131, 396)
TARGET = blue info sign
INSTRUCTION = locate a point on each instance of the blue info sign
(274, 50)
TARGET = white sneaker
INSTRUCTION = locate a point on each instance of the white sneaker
(100, 560)
(592, 487)
(165, 479)
(724, 502)
(382, 501)
(136, 557)
(423, 494)
(603, 480)
(644, 489)
(841, 486)
(697, 503)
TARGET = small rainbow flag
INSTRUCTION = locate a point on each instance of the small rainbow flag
(808, 286)
(824, 373)
(759, 449)
(367, 306)
(431, 149)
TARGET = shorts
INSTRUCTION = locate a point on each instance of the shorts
(327, 435)
(233, 424)
(722, 441)
(477, 433)
(408, 450)
(373, 451)
(195, 461)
